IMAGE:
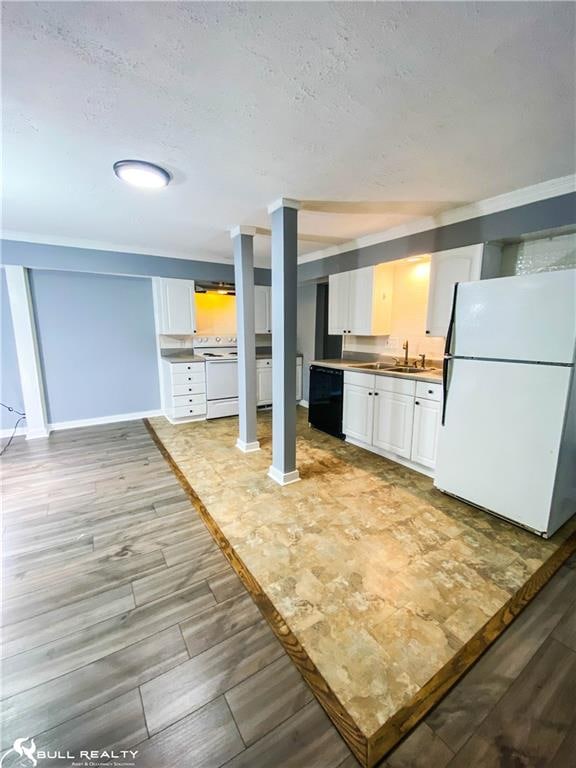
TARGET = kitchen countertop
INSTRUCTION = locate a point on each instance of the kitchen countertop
(183, 357)
(433, 376)
(190, 357)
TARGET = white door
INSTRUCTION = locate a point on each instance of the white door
(425, 432)
(262, 313)
(177, 305)
(500, 441)
(360, 293)
(264, 385)
(221, 379)
(339, 303)
(357, 413)
(527, 317)
(447, 268)
(393, 417)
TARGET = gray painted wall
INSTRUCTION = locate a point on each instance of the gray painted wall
(546, 214)
(306, 332)
(42, 256)
(97, 344)
(10, 388)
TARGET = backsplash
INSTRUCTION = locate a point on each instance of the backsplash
(542, 255)
(432, 347)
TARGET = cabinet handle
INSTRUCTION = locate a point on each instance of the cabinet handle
(370, 393)
(428, 332)
(417, 402)
(375, 394)
(430, 391)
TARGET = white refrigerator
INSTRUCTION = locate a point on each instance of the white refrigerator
(507, 441)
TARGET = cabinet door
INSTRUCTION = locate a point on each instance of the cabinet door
(425, 433)
(176, 307)
(358, 412)
(393, 417)
(264, 385)
(262, 309)
(459, 265)
(339, 303)
(298, 382)
(360, 301)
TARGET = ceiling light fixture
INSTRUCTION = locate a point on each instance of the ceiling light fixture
(140, 173)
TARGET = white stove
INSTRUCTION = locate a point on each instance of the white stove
(220, 354)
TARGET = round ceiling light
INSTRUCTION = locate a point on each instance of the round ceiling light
(140, 173)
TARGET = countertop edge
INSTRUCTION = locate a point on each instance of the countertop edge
(352, 365)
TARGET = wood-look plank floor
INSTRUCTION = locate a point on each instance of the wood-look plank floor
(124, 626)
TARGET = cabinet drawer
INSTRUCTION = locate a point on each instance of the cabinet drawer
(189, 389)
(267, 363)
(189, 410)
(190, 377)
(429, 391)
(393, 384)
(183, 401)
(359, 379)
(187, 368)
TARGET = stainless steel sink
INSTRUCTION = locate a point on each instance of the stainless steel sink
(376, 366)
(394, 368)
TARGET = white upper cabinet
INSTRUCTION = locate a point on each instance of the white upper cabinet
(175, 306)
(262, 309)
(459, 265)
(360, 301)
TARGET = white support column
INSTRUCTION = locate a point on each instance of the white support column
(284, 215)
(243, 240)
(27, 351)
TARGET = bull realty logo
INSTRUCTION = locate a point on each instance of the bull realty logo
(24, 754)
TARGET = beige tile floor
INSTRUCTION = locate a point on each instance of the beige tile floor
(381, 578)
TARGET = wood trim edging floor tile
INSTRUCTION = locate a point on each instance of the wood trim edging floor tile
(370, 750)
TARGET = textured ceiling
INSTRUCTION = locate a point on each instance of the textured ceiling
(439, 103)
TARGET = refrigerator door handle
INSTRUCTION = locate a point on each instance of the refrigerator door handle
(447, 355)
(451, 322)
(445, 364)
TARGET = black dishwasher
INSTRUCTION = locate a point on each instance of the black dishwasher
(325, 399)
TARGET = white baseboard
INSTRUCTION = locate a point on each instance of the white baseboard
(100, 420)
(303, 403)
(283, 478)
(393, 457)
(7, 432)
(247, 447)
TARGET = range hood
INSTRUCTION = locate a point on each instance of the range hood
(224, 289)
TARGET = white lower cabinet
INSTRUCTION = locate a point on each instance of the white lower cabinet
(425, 434)
(357, 415)
(264, 384)
(264, 381)
(184, 390)
(393, 416)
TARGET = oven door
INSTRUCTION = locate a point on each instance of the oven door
(221, 379)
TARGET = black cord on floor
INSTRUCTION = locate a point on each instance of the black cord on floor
(22, 417)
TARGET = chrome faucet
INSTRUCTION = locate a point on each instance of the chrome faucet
(405, 348)
(422, 360)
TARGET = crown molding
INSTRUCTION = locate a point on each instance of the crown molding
(543, 191)
(103, 245)
(283, 202)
